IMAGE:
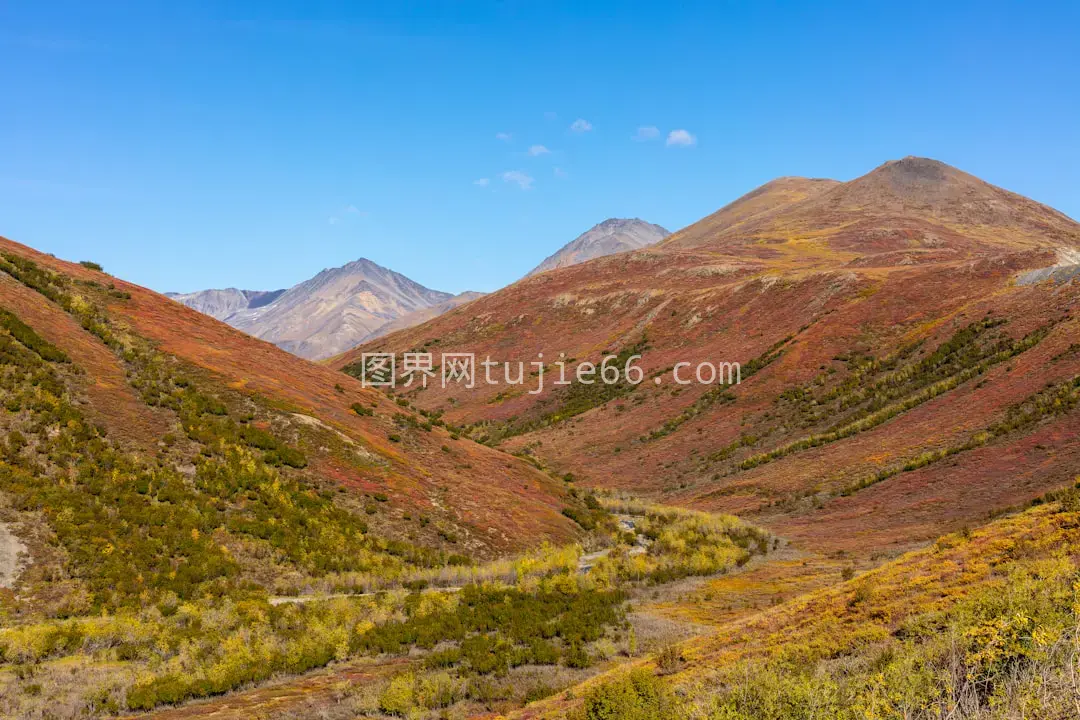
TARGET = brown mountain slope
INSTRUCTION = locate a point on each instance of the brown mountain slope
(897, 382)
(763, 202)
(419, 468)
(422, 315)
(913, 205)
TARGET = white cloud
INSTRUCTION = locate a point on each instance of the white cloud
(504, 136)
(523, 180)
(536, 150)
(482, 182)
(345, 212)
(647, 132)
(560, 173)
(680, 138)
(580, 126)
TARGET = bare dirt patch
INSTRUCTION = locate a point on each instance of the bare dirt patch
(12, 552)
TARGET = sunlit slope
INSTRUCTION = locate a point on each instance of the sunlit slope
(885, 346)
(483, 499)
(917, 206)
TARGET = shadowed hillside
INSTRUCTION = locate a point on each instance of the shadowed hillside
(221, 304)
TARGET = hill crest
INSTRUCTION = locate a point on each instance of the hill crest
(908, 204)
(327, 314)
(614, 235)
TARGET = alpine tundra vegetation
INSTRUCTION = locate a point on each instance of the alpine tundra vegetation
(878, 518)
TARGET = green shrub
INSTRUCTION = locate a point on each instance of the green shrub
(582, 517)
(438, 690)
(1070, 500)
(669, 659)
(399, 697)
(638, 695)
(24, 334)
(496, 628)
(576, 657)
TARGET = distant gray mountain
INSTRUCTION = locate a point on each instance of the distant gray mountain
(614, 235)
(424, 314)
(326, 315)
(223, 303)
(341, 307)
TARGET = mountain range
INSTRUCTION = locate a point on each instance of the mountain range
(341, 307)
(329, 313)
(221, 304)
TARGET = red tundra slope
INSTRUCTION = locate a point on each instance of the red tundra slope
(901, 377)
(474, 499)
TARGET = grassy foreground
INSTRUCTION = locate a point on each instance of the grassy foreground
(983, 624)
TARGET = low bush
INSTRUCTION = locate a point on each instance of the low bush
(638, 695)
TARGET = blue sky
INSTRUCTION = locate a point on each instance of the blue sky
(187, 145)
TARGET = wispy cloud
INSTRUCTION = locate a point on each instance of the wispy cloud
(482, 182)
(346, 211)
(680, 138)
(560, 173)
(522, 180)
(537, 150)
(580, 126)
(646, 132)
(504, 136)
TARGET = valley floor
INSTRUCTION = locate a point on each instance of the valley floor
(843, 625)
(663, 616)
